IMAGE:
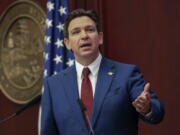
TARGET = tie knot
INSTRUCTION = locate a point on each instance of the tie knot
(86, 72)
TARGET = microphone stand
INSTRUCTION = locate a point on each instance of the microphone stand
(83, 109)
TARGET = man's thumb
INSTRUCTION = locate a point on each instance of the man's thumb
(147, 87)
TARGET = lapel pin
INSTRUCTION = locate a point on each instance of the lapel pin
(110, 73)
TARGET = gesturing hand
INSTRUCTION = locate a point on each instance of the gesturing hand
(142, 102)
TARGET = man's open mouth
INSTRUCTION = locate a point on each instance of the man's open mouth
(85, 45)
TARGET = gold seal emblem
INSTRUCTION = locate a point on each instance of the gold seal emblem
(22, 29)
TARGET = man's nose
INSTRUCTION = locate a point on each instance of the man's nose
(84, 35)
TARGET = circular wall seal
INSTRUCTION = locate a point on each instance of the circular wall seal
(22, 29)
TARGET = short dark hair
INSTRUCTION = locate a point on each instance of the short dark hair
(78, 13)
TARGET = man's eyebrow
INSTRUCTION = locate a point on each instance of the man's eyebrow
(89, 26)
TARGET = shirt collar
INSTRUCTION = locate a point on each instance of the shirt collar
(93, 67)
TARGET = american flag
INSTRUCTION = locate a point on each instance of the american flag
(56, 56)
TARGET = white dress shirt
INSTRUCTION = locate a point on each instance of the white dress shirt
(94, 68)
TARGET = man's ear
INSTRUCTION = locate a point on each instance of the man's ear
(66, 42)
(100, 38)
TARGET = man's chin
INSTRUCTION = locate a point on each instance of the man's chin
(87, 54)
(90, 55)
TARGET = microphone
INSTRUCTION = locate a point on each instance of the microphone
(32, 102)
(83, 109)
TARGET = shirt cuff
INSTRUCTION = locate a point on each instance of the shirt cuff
(149, 114)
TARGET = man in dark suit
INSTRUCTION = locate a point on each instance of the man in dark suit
(114, 94)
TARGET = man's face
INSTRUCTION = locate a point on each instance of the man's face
(84, 40)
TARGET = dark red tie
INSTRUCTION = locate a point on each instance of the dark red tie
(86, 92)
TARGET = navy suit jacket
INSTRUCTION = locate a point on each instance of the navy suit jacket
(118, 85)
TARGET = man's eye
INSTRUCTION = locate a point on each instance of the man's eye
(75, 32)
(91, 29)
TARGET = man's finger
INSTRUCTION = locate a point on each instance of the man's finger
(138, 103)
(142, 99)
(137, 106)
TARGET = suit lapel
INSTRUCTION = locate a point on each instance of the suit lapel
(71, 90)
(105, 75)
